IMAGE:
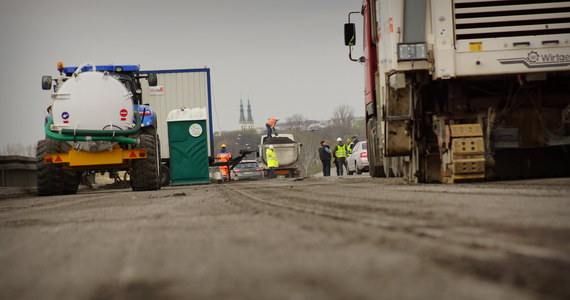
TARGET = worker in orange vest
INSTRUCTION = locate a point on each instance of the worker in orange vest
(224, 156)
(270, 125)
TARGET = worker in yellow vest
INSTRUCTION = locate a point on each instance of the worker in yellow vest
(339, 153)
(353, 143)
(272, 163)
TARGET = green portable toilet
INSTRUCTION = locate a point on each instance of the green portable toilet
(188, 145)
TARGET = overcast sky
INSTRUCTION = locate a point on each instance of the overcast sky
(287, 56)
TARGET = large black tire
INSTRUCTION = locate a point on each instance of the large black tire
(145, 173)
(374, 170)
(71, 181)
(164, 175)
(51, 179)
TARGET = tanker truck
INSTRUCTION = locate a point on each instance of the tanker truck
(287, 152)
(463, 90)
(97, 122)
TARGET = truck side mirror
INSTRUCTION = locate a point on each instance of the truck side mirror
(46, 82)
(349, 34)
(152, 79)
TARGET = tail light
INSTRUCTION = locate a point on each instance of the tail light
(237, 171)
(259, 169)
(297, 172)
(363, 154)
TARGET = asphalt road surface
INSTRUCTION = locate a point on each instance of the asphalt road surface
(320, 238)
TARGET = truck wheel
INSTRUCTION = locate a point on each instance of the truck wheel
(372, 134)
(145, 173)
(51, 179)
(71, 182)
(164, 175)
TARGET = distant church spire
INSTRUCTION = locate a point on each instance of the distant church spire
(249, 117)
(244, 123)
(241, 115)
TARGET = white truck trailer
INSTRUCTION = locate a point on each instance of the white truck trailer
(287, 152)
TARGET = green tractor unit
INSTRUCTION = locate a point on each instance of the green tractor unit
(97, 123)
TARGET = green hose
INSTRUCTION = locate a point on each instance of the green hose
(94, 133)
(81, 138)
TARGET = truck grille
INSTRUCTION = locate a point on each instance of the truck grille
(510, 18)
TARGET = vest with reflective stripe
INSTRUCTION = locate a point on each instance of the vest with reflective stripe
(271, 158)
(341, 151)
(350, 147)
(224, 156)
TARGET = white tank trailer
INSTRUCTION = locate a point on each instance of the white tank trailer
(97, 123)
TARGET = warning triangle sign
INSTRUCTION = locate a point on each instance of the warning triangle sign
(57, 159)
(133, 154)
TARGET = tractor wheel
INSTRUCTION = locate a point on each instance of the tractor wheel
(145, 173)
(164, 175)
(71, 181)
(51, 179)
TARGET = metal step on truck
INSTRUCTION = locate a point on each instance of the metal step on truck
(97, 122)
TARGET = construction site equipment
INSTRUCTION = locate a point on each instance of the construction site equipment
(97, 122)
(459, 90)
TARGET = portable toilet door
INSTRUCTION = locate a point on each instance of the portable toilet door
(188, 145)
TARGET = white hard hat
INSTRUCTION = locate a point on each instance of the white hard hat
(339, 140)
(270, 146)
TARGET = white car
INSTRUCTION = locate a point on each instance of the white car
(358, 160)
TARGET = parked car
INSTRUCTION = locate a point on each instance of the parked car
(247, 169)
(358, 160)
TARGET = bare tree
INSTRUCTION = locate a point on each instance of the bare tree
(296, 122)
(343, 116)
(309, 162)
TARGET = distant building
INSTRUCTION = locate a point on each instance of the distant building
(245, 124)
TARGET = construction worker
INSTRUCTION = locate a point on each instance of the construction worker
(339, 153)
(353, 142)
(325, 156)
(224, 156)
(349, 146)
(271, 161)
(270, 125)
